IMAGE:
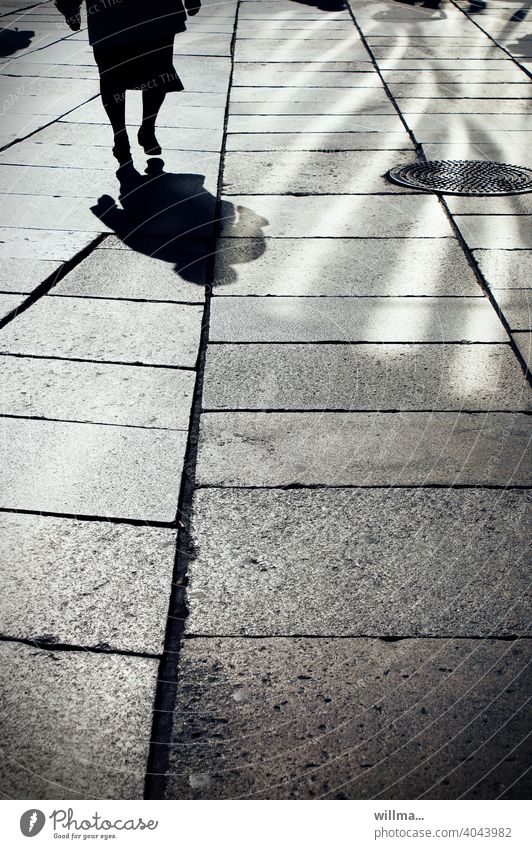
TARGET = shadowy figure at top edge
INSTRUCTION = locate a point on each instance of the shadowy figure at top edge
(325, 5)
(13, 40)
(132, 42)
(172, 217)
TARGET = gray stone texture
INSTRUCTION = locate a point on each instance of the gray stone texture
(263, 50)
(92, 470)
(496, 231)
(107, 330)
(76, 725)
(305, 75)
(355, 320)
(363, 449)
(361, 123)
(343, 267)
(516, 305)
(507, 74)
(99, 135)
(96, 392)
(397, 216)
(318, 141)
(134, 275)
(506, 269)
(345, 172)
(363, 377)
(24, 275)
(467, 106)
(359, 562)
(45, 244)
(85, 583)
(524, 344)
(372, 102)
(9, 303)
(520, 204)
(348, 719)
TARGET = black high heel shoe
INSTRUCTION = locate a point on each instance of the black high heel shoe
(148, 140)
(122, 150)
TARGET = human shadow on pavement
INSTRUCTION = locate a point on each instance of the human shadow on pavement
(520, 47)
(174, 218)
(13, 40)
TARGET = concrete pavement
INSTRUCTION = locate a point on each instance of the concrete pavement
(264, 414)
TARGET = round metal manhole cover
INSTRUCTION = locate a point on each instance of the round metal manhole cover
(462, 177)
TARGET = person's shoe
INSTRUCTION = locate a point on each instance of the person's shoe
(148, 140)
(122, 150)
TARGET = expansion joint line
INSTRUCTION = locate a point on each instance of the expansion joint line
(167, 679)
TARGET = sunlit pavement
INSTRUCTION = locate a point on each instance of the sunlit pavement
(312, 377)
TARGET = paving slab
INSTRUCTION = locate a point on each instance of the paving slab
(427, 49)
(25, 67)
(306, 75)
(24, 275)
(467, 90)
(496, 231)
(8, 303)
(468, 106)
(350, 719)
(504, 205)
(359, 123)
(345, 172)
(524, 344)
(363, 449)
(92, 470)
(45, 244)
(499, 151)
(505, 74)
(359, 563)
(305, 217)
(452, 127)
(361, 319)
(263, 50)
(49, 213)
(134, 275)
(506, 269)
(91, 135)
(343, 267)
(431, 63)
(318, 141)
(516, 304)
(85, 583)
(107, 330)
(76, 725)
(368, 102)
(96, 392)
(47, 89)
(67, 169)
(25, 181)
(363, 377)
(293, 30)
(191, 117)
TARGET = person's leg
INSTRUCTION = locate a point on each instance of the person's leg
(114, 103)
(152, 100)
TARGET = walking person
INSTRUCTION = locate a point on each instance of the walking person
(132, 41)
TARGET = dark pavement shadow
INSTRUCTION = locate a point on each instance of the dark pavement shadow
(172, 217)
(13, 40)
(520, 47)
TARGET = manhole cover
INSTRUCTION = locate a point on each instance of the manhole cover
(462, 177)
